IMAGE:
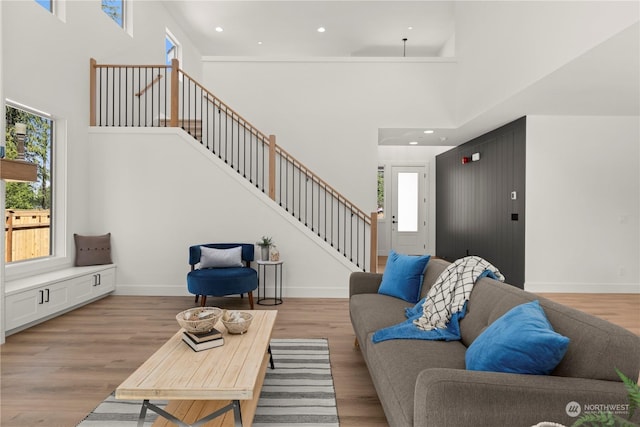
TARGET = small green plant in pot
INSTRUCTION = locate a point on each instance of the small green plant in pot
(265, 243)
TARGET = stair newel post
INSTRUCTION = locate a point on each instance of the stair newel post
(92, 92)
(373, 255)
(175, 92)
(272, 167)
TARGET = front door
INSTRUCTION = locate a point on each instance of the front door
(408, 209)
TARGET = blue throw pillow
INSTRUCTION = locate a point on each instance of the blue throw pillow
(522, 341)
(403, 276)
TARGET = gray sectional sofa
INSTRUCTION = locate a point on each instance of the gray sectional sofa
(426, 383)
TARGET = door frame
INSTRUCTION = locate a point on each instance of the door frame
(424, 181)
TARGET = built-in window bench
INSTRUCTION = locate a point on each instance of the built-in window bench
(34, 299)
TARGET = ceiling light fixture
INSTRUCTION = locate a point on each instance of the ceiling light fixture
(219, 29)
(413, 143)
(259, 42)
(321, 29)
(428, 131)
(409, 28)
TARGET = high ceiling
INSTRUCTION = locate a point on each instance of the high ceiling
(290, 28)
(603, 81)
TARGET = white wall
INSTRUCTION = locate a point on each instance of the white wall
(46, 67)
(503, 47)
(583, 204)
(158, 192)
(389, 156)
(327, 112)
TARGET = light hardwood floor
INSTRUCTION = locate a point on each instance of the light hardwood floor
(55, 373)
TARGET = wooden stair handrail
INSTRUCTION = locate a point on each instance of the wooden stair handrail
(131, 66)
(278, 149)
(227, 109)
(240, 120)
(322, 183)
(269, 141)
(147, 87)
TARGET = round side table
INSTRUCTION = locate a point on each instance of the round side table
(262, 282)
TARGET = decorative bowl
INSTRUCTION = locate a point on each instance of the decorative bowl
(237, 322)
(200, 319)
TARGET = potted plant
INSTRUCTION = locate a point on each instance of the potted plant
(265, 243)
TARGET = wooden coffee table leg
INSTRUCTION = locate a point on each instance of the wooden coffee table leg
(237, 414)
(143, 413)
(270, 357)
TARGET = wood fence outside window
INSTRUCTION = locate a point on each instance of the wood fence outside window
(27, 234)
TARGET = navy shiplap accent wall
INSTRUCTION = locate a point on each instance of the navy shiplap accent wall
(475, 213)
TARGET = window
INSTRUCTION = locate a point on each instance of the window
(380, 192)
(28, 225)
(47, 4)
(408, 196)
(115, 10)
(171, 47)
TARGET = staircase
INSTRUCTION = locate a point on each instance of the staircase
(166, 96)
(191, 126)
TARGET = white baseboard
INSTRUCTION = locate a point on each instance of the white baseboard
(583, 288)
(181, 290)
(152, 290)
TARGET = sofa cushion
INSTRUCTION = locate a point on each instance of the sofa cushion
(394, 366)
(591, 337)
(403, 275)
(370, 312)
(522, 341)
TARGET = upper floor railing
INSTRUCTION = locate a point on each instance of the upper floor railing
(163, 95)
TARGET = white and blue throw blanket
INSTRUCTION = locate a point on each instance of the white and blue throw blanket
(437, 316)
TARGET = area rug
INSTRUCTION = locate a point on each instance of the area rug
(298, 392)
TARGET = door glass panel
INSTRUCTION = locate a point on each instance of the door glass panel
(407, 201)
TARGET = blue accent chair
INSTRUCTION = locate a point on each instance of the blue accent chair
(220, 282)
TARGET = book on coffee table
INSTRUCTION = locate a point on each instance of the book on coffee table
(202, 345)
(213, 334)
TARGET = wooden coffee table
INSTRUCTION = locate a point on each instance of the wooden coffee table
(215, 387)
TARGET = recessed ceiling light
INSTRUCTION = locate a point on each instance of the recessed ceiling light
(321, 29)
(219, 29)
(409, 28)
(259, 42)
(413, 143)
(428, 131)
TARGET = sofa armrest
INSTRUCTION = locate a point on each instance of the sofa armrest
(455, 397)
(361, 282)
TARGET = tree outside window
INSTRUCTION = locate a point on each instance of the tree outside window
(28, 204)
(380, 192)
(115, 10)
